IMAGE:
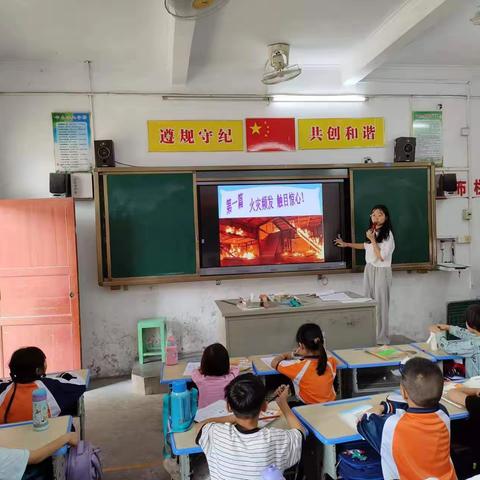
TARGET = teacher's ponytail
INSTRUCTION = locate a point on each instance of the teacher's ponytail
(310, 335)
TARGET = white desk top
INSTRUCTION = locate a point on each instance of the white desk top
(21, 435)
(175, 372)
(324, 422)
(261, 368)
(438, 354)
(360, 358)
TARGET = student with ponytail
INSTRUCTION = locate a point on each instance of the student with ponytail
(314, 372)
(27, 371)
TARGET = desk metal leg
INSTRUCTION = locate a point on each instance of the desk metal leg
(81, 416)
(59, 466)
(329, 461)
(340, 380)
(354, 381)
(184, 467)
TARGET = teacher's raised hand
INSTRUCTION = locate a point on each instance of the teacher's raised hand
(371, 235)
(339, 242)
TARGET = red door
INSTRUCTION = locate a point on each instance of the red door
(39, 281)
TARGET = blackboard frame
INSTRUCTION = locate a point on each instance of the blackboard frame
(101, 209)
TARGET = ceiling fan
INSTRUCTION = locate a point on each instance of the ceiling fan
(277, 69)
(192, 9)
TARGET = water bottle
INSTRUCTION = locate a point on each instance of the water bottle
(40, 409)
(182, 406)
(272, 473)
(172, 351)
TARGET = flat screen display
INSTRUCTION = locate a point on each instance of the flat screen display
(270, 224)
(270, 227)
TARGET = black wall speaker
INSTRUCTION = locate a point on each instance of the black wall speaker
(104, 154)
(404, 149)
(446, 182)
(60, 184)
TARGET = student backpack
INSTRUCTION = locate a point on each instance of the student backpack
(359, 461)
(83, 462)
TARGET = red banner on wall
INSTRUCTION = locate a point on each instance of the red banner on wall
(270, 134)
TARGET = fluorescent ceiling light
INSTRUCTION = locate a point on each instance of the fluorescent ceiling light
(318, 98)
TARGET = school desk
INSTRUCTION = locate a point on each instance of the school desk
(172, 373)
(324, 422)
(439, 355)
(21, 435)
(359, 358)
(183, 444)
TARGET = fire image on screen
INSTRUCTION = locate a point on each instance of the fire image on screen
(270, 224)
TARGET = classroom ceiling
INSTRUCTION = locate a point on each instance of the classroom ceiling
(124, 35)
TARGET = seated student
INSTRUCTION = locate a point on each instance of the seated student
(235, 447)
(27, 371)
(14, 462)
(213, 375)
(469, 345)
(314, 373)
(467, 433)
(412, 438)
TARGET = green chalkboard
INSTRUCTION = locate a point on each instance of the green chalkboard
(406, 193)
(151, 224)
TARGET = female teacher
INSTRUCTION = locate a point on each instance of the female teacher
(379, 246)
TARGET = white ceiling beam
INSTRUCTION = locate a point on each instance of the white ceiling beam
(410, 20)
(180, 33)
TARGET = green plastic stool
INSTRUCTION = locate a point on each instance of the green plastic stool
(145, 350)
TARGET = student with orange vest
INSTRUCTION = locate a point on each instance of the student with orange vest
(312, 372)
(412, 436)
(27, 370)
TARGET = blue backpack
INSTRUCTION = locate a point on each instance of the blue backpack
(359, 461)
(83, 462)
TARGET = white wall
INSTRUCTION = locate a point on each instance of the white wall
(109, 317)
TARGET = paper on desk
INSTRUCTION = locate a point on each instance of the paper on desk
(356, 300)
(473, 382)
(214, 410)
(335, 297)
(243, 363)
(352, 416)
(190, 368)
(268, 361)
(325, 293)
(219, 409)
(396, 397)
(432, 341)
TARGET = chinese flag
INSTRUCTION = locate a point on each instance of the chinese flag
(270, 134)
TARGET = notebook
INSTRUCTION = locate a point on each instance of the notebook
(352, 416)
(390, 353)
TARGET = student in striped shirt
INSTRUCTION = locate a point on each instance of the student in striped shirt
(235, 447)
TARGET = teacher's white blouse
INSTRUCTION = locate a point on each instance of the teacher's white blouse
(386, 249)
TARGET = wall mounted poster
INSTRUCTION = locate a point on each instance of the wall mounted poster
(320, 133)
(195, 135)
(428, 130)
(72, 141)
